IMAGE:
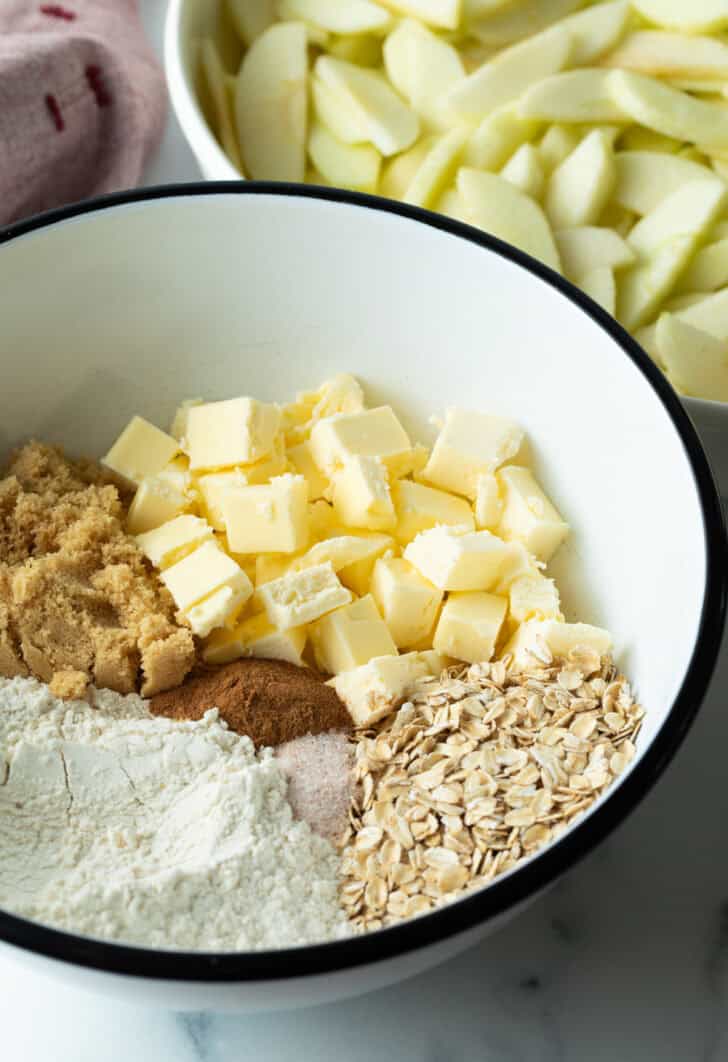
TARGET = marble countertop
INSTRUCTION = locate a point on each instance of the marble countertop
(625, 961)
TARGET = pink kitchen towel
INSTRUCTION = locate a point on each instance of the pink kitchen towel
(82, 102)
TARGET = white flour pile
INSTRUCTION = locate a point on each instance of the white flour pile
(119, 824)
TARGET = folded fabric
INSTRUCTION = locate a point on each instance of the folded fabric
(82, 102)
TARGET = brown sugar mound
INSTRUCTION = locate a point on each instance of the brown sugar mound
(269, 700)
(76, 595)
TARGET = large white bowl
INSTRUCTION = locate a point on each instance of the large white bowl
(129, 304)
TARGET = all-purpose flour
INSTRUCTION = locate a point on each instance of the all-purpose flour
(118, 824)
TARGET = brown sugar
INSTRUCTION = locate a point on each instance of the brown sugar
(269, 700)
(77, 598)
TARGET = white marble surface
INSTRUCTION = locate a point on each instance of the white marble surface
(626, 961)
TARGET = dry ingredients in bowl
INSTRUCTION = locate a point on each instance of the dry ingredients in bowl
(383, 704)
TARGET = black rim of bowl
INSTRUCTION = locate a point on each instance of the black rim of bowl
(527, 881)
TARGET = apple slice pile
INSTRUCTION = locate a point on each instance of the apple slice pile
(593, 136)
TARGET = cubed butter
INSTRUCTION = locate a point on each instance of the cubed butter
(358, 575)
(350, 636)
(267, 518)
(372, 433)
(269, 566)
(408, 602)
(488, 502)
(302, 597)
(468, 446)
(219, 609)
(361, 494)
(172, 541)
(302, 460)
(375, 689)
(528, 515)
(341, 394)
(178, 430)
(156, 502)
(419, 508)
(275, 464)
(321, 520)
(237, 431)
(256, 637)
(533, 597)
(454, 560)
(202, 572)
(469, 626)
(141, 450)
(212, 488)
(544, 638)
(341, 551)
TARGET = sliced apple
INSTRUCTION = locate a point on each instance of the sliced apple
(664, 54)
(586, 248)
(676, 303)
(498, 136)
(271, 104)
(493, 204)
(423, 68)
(557, 144)
(690, 16)
(214, 75)
(689, 211)
(599, 284)
(475, 9)
(710, 314)
(696, 362)
(595, 30)
(647, 339)
(452, 206)
(437, 169)
(708, 270)
(618, 218)
(643, 288)
(525, 171)
(344, 165)
(389, 123)
(509, 74)
(519, 20)
(576, 96)
(337, 16)
(669, 111)
(361, 49)
(645, 178)
(579, 188)
(444, 14)
(335, 112)
(399, 171)
(251, 17)
(637, 138)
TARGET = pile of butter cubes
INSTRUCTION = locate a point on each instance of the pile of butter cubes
(316, 532)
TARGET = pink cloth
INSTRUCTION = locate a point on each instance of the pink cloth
(82, 101)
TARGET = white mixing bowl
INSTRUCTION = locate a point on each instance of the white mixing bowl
(130, 304)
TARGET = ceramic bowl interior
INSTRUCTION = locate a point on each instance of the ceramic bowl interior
(114, 309)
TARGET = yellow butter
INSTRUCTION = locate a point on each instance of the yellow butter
(488, 502)
(361, 494)
(170, 542)
(268, 518)
(350, 636)
(452, 560)
(275, 464)
(419, 507)
(269, 566)
(408, 602)
(358, 575)
(528, 515)
(469, 626)
(302, 460)
(469, 445)
(155, 502)
(178, 429)
(372, 433)
(219, 609)
(341, 394)
(256, 637)
(237, 431)
(341, 551)
(321, 520)
(375, 689)
(141, 450)
(302, 597)
(539, 640)
(533, 597)
(212, 488)
(202, 572)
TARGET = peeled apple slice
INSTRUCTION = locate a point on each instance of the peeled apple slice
(251, 17)
(669, 111)
(344, 165)
(498, 136)
(690, 16)
(557, 144)
(664, 54)
(690, 211)
(361, 49)
(599, 285)
(710, 315)
(509, 74)
(452, 206)
(708, 271)
(271, 104)
(643, 288)
(445, 14)
(214, 74)
(521, 19)
(587, 248)
(645, 178)
(576, 96)
(595, 30)
(335, 112)
(399, 172)
(493, 204)
(524, 170)
(388, 123)
(337, 16)
(423, 68)
(696, 363)
(579, 188)
(437, 169)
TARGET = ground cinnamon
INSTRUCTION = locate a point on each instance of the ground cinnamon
(269, 700)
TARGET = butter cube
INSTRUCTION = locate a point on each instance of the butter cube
(341, 394)
(321, 520)
(358, 575)
(373, 433)
(256, 637)
(350, 636)
(302, 460)
(488, 502)
(178, 430)
(541, 640)
(219, 609)
(469, 626)
(435, 662)
(469, 445)
(156, 502)
(341, 551)
(202, 572)
(172, 541)
(301, 597)
(534, 597)
(270, 566)
(212, 488)
(454, 560)
(361, 494)
(419, 508)
(268, 518)
(237, 431)
(275, 464)
(518, 562)
(528, 515)
(407, 601)
(375, 689)
(141, 450)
